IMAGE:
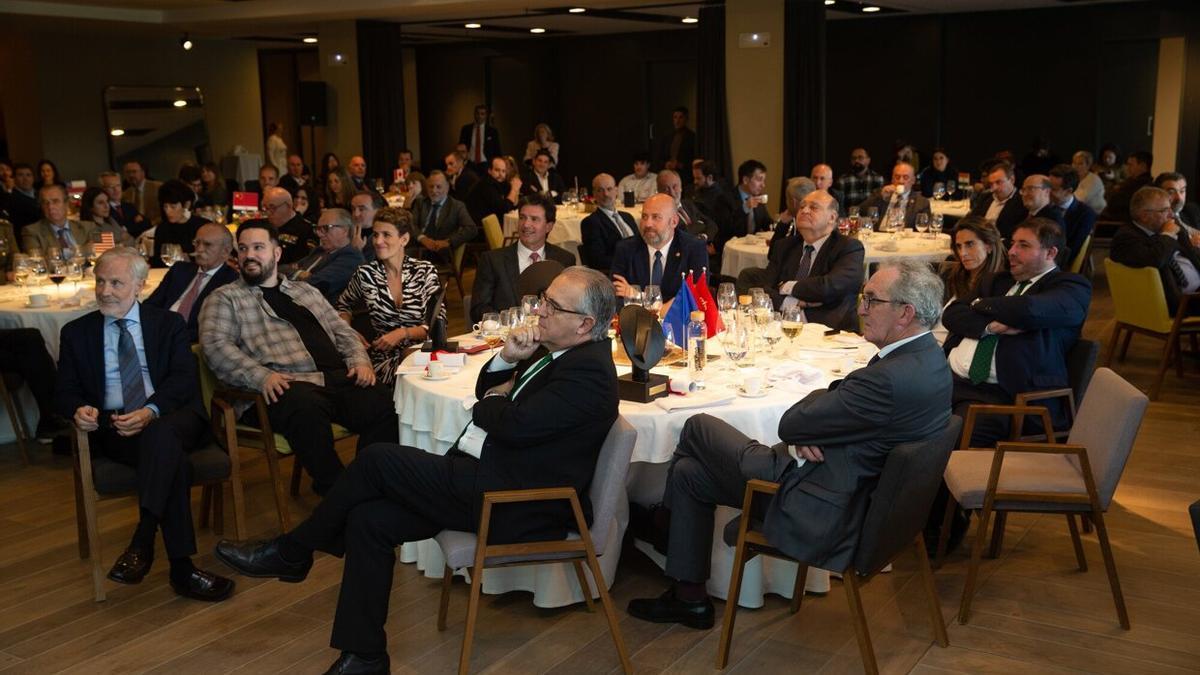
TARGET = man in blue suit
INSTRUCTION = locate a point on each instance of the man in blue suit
(660, 256)
(1078, 218)
(127, 376)
(604, 227)
(330, 267)
(187, 284)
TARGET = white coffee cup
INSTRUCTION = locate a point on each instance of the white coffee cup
(762, 199)
(437, 369)
(39, 300)
(752, 382)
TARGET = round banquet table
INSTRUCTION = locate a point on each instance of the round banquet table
(743, 252)
(432, 414)
(568, 229)
(49, 320)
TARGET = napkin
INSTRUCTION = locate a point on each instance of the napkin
(796, 372)
(682, 384)
(699, 399)
(450, 360)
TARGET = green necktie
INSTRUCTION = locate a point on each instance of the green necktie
(981, 363)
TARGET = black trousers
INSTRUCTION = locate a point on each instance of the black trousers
(712, 464)
(164, 475)
(23, 351)
(303, 415)
(390, 494)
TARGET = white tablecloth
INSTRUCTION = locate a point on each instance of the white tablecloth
(568, 231)
(433, 414)
(743, 252)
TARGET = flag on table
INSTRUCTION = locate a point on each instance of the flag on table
(676, 320)
(106, 242)
(706, 304)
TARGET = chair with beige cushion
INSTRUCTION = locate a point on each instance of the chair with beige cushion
(1076, 478)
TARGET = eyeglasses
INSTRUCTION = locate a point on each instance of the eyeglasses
(869, 301)
(322, 229)
(555, 307)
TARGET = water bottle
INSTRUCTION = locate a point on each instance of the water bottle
(696, 335)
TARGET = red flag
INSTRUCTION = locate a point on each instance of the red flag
(704, 301)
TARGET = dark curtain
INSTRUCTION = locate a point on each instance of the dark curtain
(712, 118)
(803, 87)
(381, 96)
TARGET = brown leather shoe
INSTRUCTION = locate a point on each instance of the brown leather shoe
(131, 567)
(204, 586)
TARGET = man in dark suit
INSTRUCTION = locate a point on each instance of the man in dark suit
(187, 284)
(605, 226)
(833, 446)
(661, 256)
(495, 194)
(546, 404)
(753, 216)
(127, 376)
(1078, 219)
(1137, 176)
(1035, 197)
(1186, 213)
(141, 191)
(692, 219)
(329, 268)
(1014, 335)
(123, 212)
(481, 139)
(679, 149)
(1154, 239)
(713, 198)
(442, 221)
(461, 176)
(496, 277)
(542, 178)
(998, 204)
(816, 268)
(23, 205)
(294, 178)
(898, 197)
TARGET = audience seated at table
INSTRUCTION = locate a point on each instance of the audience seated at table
(308, 364)
(545, 405)
(857, 184)
(1091, 189)
(541, 177)
(1137, 176)
(95, 215)
(339, 189)
(47, 174)
(1186, 213)
(496, 277)
(363, 206)
(214, 189)
(997, 204)
(141, 191)
(296, 234)
(899, 196)
(752, 214)
(978, 254)
(461, 176)
(660, 256)
(1035, 197)
(147, 417)
(495, 194)
(24, 207)
(188, 284)
(939, 171)
(834, 443)
(404, 166)
(55, 232)
(330, 266)
(329, 164)
(480, 140)
(604, 227)
(123, 212)
(1153, 238)
(1078, 219)
(189, 174)
(178, 224)
(712, 196)
(395, 289)
(442, 221)
(543, 139)
(1109, 166)
(642, 182)
(414, 188)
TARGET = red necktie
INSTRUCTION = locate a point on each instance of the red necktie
(534, 257)
(189, 298)
(478, 145)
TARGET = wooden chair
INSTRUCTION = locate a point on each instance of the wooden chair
(10, 386)
(899, 506)
(495, 233)
(261, 437)
(98, 478)
(1081, 365)
(1078, 477)
(464, 549)
(1141, 307)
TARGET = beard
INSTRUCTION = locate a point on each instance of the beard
(262, 271)
(856, 167)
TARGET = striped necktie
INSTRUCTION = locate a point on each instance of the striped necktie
(133, 388)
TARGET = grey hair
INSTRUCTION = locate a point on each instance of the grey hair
(918, 286)
(137, 264)
(800, 187)
(599, 301)
(108, 174)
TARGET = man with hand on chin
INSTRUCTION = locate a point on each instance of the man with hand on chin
(281, 338)
(127, 377)
(546, 404)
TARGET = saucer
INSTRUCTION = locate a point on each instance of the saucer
(742, 392)
(30, 305)
(426, 376)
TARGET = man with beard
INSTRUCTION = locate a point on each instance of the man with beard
(860, 182)
(319, 372)
(496, 194)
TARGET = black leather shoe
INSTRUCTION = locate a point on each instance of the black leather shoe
(667, 608)
(350, 663)
(206, 586)
(261, 559)
(131, 567)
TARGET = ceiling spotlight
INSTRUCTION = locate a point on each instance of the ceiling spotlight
(473, 25)
(830, 2)
(180, 103)
(117, 132)
(537, 30)
(186, 43)
(577, 10)
(690, 19)
(310, 40)
(869, 9)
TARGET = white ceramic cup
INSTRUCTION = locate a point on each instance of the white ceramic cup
(437, 369)
(39, 300)
(752, 382)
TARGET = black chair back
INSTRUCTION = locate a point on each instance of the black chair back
(901, 500)
(1081, 365)
(537, 277)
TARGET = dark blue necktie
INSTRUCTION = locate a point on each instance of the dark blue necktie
(657, 270)
(133, 389)
(433, 214)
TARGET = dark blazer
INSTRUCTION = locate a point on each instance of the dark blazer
(1134, 248)
(127, 215)
(721, 206)
(168, 355)
(491, 140)
(175, 233)
(685, 253)
(1049, 314)
(600, 237)
(687, 152)
(1189, 215)
(1118, 198)
(22, 210)
(817, 514)
(288, 182)
(489, 198)
(833, 280)
(496, 278)
(531, 186)
(176, 282)
(916, 203)
(454, 223)
(461, 185)
(550, 436)
(1010, 216)
(333, 272)
(298, 239)
(1078, 221)
(702, 225)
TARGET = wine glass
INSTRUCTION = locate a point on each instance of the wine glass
(923, 223)
(652, 298)
(736, 343)
(774, 331)
(75, 271)
(530, 304)
(57, 273)
(939, 191)
(726, 297)
(935, 224)
(636, 296)
(792, 323)
(22, 269)
(38, 269)
(171, 254)
(489, 330)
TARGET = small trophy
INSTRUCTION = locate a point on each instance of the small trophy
(642, 337)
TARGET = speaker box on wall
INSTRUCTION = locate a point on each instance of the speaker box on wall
(313, 106)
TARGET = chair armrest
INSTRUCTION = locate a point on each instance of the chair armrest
(1047, 395)
(224, 429)
(1017, 412)
(235, 394)
(761, 487)
(991, 493)
(494, 497)
(529, 495)
(260, 405)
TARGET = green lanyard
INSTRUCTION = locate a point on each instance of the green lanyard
(529, 374)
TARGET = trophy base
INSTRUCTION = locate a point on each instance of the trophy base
(642, 392)
(451, 346)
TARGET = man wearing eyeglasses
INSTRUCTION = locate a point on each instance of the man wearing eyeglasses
(188, 284)
(1154, 238)
(545, 405)
(834, 443)
(330, 267)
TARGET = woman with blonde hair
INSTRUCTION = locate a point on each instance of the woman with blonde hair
(543, 138)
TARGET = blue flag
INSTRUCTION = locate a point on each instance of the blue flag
(676, 320)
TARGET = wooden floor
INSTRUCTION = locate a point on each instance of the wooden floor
(1033, 612)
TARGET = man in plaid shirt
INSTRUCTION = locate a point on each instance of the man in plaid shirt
(282, 339)
(857, 185)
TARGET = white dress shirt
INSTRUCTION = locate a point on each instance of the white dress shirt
(786, 287)
(524, 256)
(205, 277)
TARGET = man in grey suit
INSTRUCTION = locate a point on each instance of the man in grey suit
(834, 445)
(55, 231)
(441, 220)
(898, 196)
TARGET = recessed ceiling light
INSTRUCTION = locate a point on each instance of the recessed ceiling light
(180, 103)
(870, 8)
(310, 40)
(830, 2)
(473, 25)
(537, 30)
(117, 132)
(690, 19)
(577, 10)
(186, 43)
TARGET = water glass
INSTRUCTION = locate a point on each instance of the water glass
(939, 190)
(636, 296)
(923, 223)
(736, 341)
(652, 298)
(530, 304)
(935, 224)
(726, 297)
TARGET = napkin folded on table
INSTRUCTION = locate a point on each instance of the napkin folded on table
(699, 399)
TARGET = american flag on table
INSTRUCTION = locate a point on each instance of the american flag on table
(106, 242)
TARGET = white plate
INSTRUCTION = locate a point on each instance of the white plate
(742, 392)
